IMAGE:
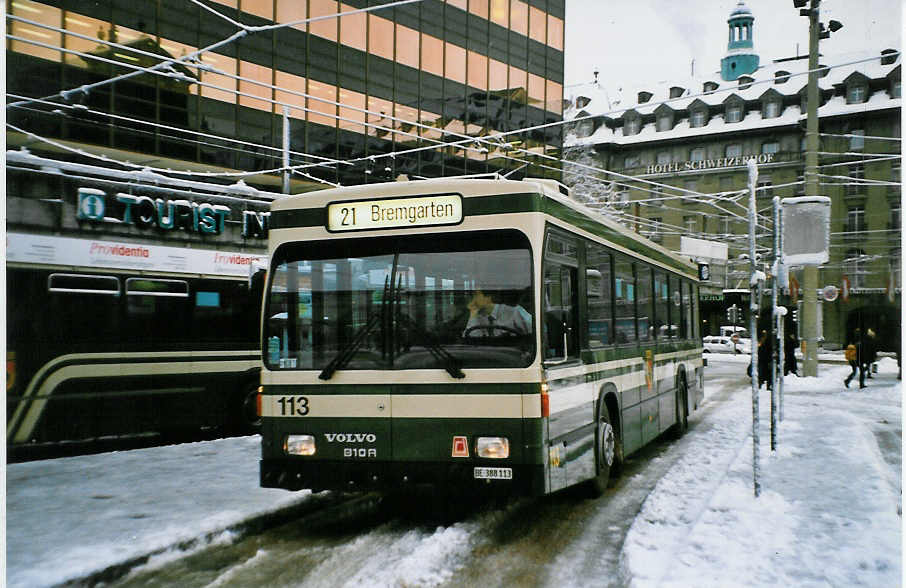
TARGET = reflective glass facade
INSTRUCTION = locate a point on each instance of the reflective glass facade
(362, 85)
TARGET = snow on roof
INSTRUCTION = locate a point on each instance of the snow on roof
(599, 102)
(717, 124)
(592, 100)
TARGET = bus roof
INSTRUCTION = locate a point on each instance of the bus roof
(529, 195)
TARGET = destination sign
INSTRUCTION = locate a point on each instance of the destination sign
(393, 213)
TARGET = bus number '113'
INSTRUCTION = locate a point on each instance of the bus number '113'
(293, 405)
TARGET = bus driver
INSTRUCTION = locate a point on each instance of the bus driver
(485, 314)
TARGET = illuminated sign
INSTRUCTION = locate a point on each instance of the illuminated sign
(146, 212)
(420, 211)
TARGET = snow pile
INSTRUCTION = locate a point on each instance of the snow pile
(67, 518)
(828, 513)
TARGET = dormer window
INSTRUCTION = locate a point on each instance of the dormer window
(745, 82)
(781, 76)
(733, 112)
(895, 88)
(698, 118)
(664, 121)
(585, 128)
(709, 87)
(770, 108)
(856, 93)
(582, 101)
(631, 126)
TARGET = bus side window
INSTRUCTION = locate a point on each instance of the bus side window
(661, 306)
(643, 302)
(222, 310)
(560, 313)
(83, 309)
(599, 294)
(158, 309)
(624, 298)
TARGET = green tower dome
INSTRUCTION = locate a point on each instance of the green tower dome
(741, 58)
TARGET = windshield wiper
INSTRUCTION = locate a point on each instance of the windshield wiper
(450, 363)
(348, 351)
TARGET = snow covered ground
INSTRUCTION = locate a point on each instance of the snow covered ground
(828, 514)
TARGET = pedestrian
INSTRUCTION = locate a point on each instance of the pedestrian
(765, 355)
(853, 355)
(790, 344)
(869, 351)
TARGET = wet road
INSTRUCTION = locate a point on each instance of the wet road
(563, 539)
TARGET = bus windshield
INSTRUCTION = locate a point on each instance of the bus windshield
(446, 301)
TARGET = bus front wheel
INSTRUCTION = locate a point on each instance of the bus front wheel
(248, 421)
(605, 451)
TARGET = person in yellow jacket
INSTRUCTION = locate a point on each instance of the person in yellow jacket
(853, 353)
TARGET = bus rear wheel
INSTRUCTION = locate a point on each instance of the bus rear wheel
(682, 409)
(606, 448)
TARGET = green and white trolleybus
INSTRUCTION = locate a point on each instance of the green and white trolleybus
(481, 334)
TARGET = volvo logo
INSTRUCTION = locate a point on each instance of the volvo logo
(351, 437)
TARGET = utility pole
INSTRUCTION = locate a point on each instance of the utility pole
(810, 272)
(754, 300)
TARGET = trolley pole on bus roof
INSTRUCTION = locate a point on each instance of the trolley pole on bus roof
(753, 322)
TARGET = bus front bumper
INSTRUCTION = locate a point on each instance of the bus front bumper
(298, 474)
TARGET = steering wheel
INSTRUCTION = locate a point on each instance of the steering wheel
(491, 328)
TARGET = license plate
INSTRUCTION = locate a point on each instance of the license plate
(494, 473)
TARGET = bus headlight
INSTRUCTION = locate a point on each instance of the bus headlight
(299, 445)
(493, 447)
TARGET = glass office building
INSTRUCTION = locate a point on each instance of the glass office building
(403, 80)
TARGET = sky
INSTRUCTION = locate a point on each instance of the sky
(828, 514)
(649, 41)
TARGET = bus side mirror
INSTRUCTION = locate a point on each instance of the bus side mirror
(257, 275)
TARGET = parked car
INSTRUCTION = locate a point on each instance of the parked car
(721, 344)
